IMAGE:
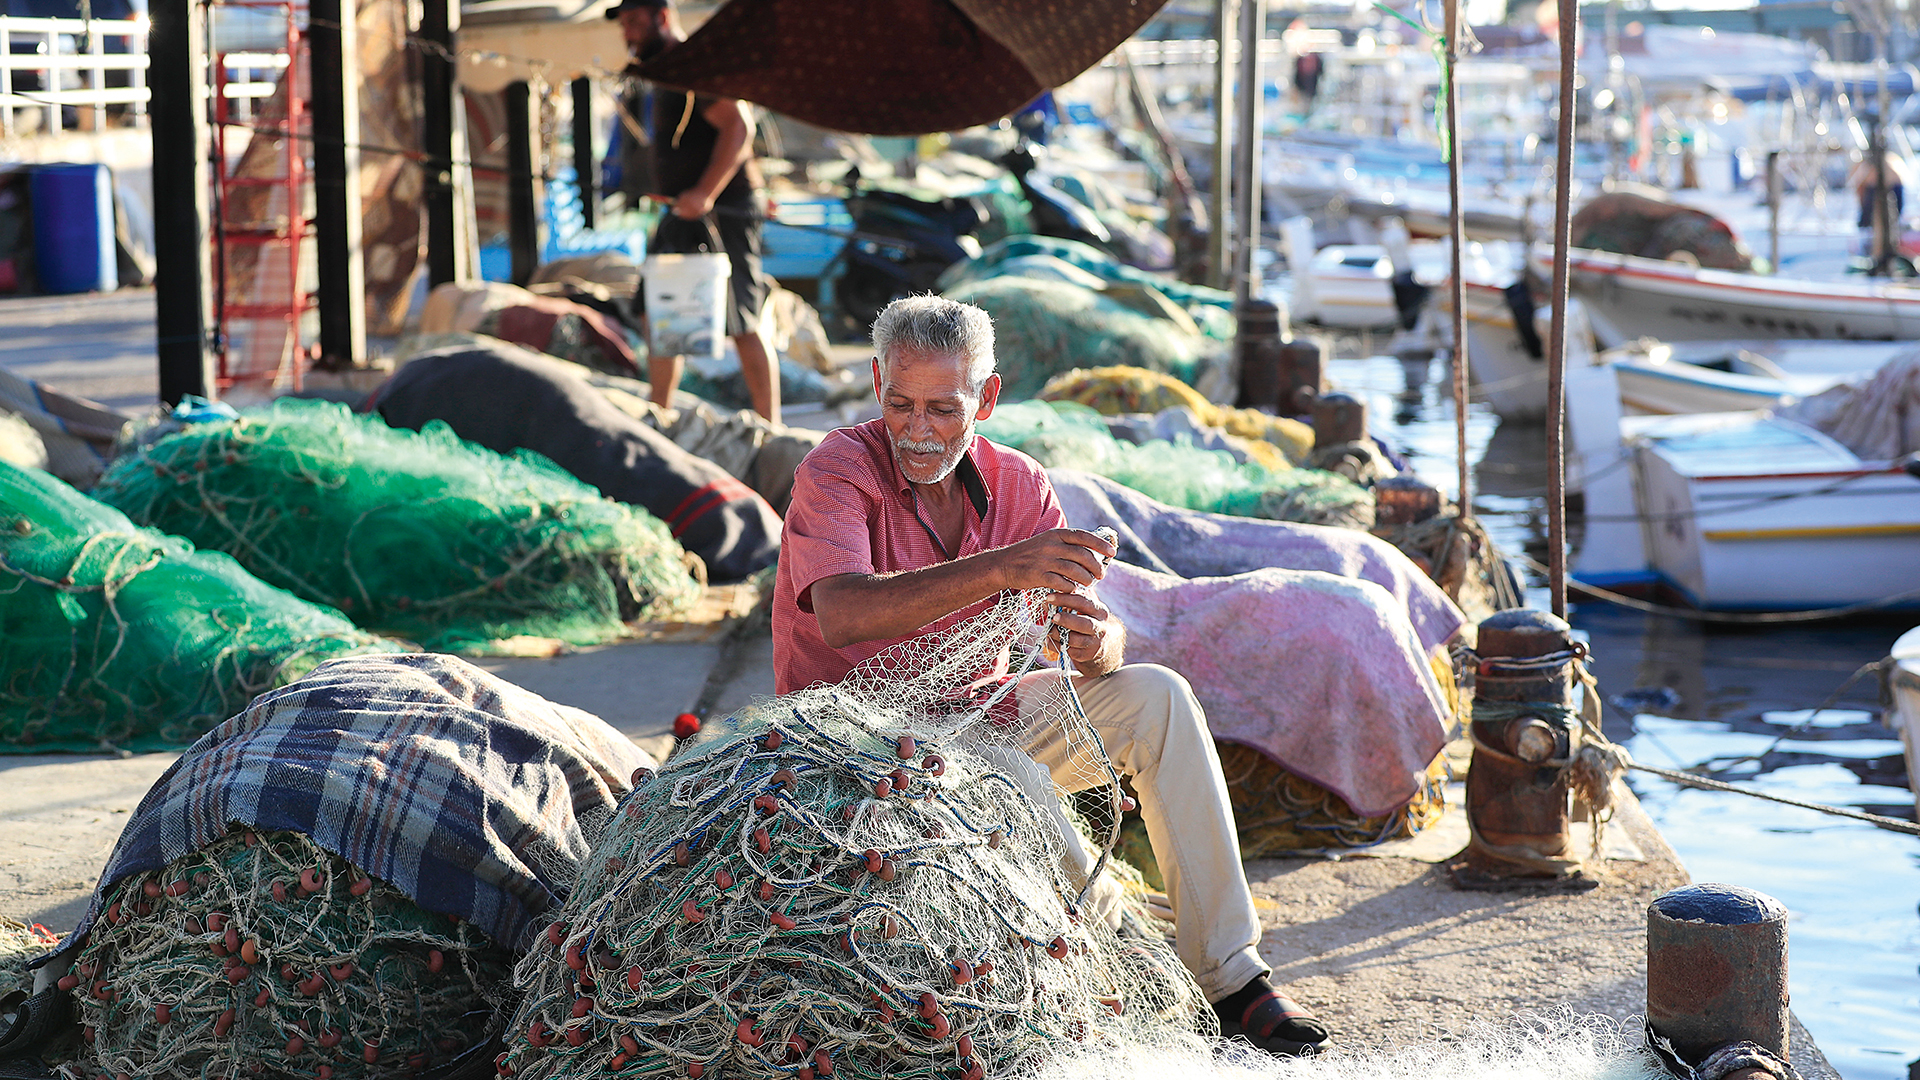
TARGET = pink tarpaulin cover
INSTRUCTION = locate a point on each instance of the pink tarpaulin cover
(1323, 673)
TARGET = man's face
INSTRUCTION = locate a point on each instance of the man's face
(641, 28)
(929, 411)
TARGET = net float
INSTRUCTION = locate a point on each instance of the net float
(722, 880)
(537, 1034)
(935, 764)
(1058, 949)
(582, 1006)
(295, 1044)
(436, 960)
(311, 881)
(746, 1034)
(771, 741)
(882, 788)
(223, 1025)
(692, 911)
(360, 886)
(904, 748)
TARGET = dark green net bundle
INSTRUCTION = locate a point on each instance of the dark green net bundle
(263, 954)
(415, 533)
(112, 635)
(1068, 435)
(815, 895)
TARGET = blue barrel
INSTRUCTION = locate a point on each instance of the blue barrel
(73, 246)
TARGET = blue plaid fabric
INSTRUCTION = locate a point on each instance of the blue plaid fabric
(463, 791)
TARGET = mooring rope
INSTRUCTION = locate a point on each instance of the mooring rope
(1616, 757)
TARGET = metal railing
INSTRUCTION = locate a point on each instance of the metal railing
(90, 74)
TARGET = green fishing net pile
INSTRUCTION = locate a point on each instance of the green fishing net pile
(1211, 309)
(1063, 434)
(414, 533)
(115, 635)
(1044, 328)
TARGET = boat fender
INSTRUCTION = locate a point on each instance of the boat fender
(1520, 303)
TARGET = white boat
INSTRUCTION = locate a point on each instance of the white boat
(1508, 370)
(1630, 297)
(1661, 378)
(1737, 511)
(1904, 715)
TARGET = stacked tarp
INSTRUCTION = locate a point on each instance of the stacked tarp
(506, 398)
(1066, 435)
(414, 533)
(1190, 544)
(112, 635)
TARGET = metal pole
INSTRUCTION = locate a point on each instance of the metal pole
(183, 260)
(337, 211)
(439, 21)
(1773, 211)
(1885, 219)
(1253, 21)
(523, 220)
(1557, 347)
(584, 175)
(1457, 224)
(1219, 248)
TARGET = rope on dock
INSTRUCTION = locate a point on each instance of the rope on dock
(1691, 780)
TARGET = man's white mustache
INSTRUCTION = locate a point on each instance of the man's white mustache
(929, 447)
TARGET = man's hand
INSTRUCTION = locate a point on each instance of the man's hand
(1096, 641)
(693, 204)
(1059, 559)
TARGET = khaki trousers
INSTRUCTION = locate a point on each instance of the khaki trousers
(1156, 734)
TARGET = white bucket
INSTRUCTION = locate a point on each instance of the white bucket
(687, 304)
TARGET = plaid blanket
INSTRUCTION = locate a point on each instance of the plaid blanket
(472, 796)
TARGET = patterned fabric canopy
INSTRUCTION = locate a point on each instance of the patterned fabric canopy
(897, 67)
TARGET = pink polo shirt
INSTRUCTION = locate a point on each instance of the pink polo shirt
(853, 512)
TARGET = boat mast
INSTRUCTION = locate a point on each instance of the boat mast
(1557, 342)
(1457, 223)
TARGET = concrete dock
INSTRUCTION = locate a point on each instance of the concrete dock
(1380, 945)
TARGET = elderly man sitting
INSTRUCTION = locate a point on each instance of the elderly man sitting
(910, 520)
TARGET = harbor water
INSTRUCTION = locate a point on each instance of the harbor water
(1739, 697)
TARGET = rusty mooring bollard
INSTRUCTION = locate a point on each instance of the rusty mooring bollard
(1258, 345)
(1338, 418)
(1303, 365)
(1517, 786)
(1717, 969)
(1404, 500)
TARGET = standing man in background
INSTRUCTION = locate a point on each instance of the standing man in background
(703, 162)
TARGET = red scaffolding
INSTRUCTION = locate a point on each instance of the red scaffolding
(263, 216)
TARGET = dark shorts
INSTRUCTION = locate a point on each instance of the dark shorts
(738, 234)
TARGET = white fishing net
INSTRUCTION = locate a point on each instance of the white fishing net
(863, 880)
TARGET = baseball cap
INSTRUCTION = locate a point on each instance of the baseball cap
(637, 5)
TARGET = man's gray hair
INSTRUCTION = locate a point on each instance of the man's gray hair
(935, 324)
